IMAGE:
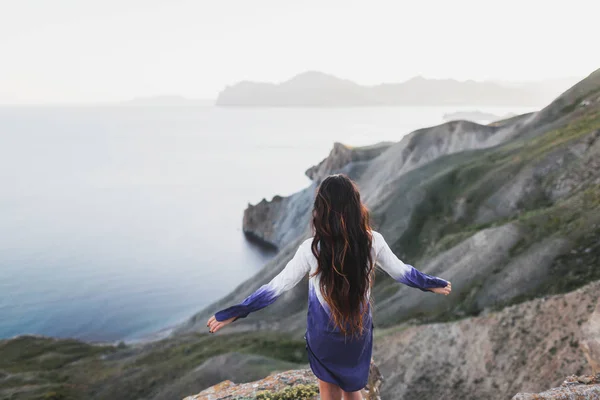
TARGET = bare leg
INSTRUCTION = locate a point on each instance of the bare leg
(353, 395)
(329, 391)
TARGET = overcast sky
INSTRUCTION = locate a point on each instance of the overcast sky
(88, 50)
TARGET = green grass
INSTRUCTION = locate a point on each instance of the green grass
(172, 358)
(28, 353)
(576, 103)
(44, 368)
(298, 392)
(204, 346)
(474, 176)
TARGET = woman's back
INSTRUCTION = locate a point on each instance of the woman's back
(382, 255)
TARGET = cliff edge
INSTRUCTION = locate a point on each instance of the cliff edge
(294, 384)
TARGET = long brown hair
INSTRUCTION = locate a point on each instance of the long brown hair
(342, 245)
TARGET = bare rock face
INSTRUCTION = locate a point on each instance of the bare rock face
(277, 222)
(524, 348)
(584, 387)
(297, 384)
(258, 225)
(342, 155)
(280, 221)
(582, 174)
(303, 380)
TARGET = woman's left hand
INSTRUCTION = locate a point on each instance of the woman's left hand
(214, 325)
(443, 290)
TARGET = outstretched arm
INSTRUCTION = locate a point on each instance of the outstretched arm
(289, 277)
(405, 273)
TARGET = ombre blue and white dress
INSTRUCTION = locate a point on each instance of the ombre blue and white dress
(335, 358)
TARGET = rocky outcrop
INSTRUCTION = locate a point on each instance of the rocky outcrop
(300, 384)
(423, 146)
(295, 384)
(586, 387)
(581, 174)
(376, 169)
(277, 222)
(258, 222)
(342, 157)
(283, 219)
(522, 348)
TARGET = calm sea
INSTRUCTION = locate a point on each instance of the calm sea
(116, 222)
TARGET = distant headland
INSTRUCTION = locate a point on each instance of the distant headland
(317, 89)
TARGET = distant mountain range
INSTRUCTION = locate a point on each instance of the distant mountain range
(317, 89)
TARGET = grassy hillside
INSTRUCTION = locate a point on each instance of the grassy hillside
(51, 369)
(514, 183)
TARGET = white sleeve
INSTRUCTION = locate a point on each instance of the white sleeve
(401, 272)
(294, 270)
(289, 277)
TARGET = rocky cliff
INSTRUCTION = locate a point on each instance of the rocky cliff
(277, 222)
(289, 385)
(345, 159)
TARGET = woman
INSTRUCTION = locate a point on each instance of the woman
(340, 258)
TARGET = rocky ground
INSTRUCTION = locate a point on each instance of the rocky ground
(524, 347)
(300, 385)
(585, 387)
(288, 385)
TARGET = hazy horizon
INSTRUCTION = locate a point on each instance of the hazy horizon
(150, 99)
(73, 52)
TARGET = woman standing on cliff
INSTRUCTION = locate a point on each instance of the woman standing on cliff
(340, 260)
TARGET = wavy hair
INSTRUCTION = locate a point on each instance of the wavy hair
(342, 245)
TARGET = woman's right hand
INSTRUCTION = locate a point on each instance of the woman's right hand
(443, 290)
(214, 325)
